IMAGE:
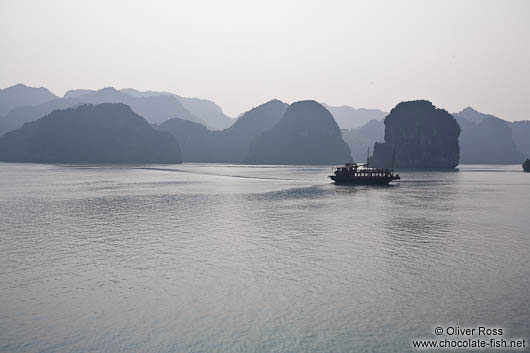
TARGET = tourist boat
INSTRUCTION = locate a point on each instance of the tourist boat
(361, 174)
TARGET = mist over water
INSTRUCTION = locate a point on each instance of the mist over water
(236, 258)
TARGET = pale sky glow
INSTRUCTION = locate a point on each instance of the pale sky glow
(370, 54)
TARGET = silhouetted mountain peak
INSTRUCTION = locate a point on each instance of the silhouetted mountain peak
(306, 134)
(21, 95)
(419, 104)
(106, 91)
(309, 111)
(109, 92)
(270, 104)
(104, 133)
(469, 110)
(21, 86)
(260, 118)
(77, 93)
(474, 116)
(274, 101)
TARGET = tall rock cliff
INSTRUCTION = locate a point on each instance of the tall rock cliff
(422, 136)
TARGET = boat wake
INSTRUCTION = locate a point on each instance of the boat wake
(219, 174)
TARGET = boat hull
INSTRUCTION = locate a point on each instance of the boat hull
(361, 180)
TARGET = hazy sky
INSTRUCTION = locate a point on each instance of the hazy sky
(242, 53)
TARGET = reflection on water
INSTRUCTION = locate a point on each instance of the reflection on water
(212, 257)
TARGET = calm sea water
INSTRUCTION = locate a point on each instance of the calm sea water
(234, 258)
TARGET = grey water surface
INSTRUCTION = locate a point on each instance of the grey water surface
(237, 258)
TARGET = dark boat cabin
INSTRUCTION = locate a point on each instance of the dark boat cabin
(352, 173)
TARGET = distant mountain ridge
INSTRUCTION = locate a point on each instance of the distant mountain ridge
(21, 95)
(484, 138)
(155, 109)
(363, 138)
(205, 109)
(74, 93)
(227, 146)
(473, 116)
(272, 133)
(487, 139)
(104, 133)
(351, 118)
